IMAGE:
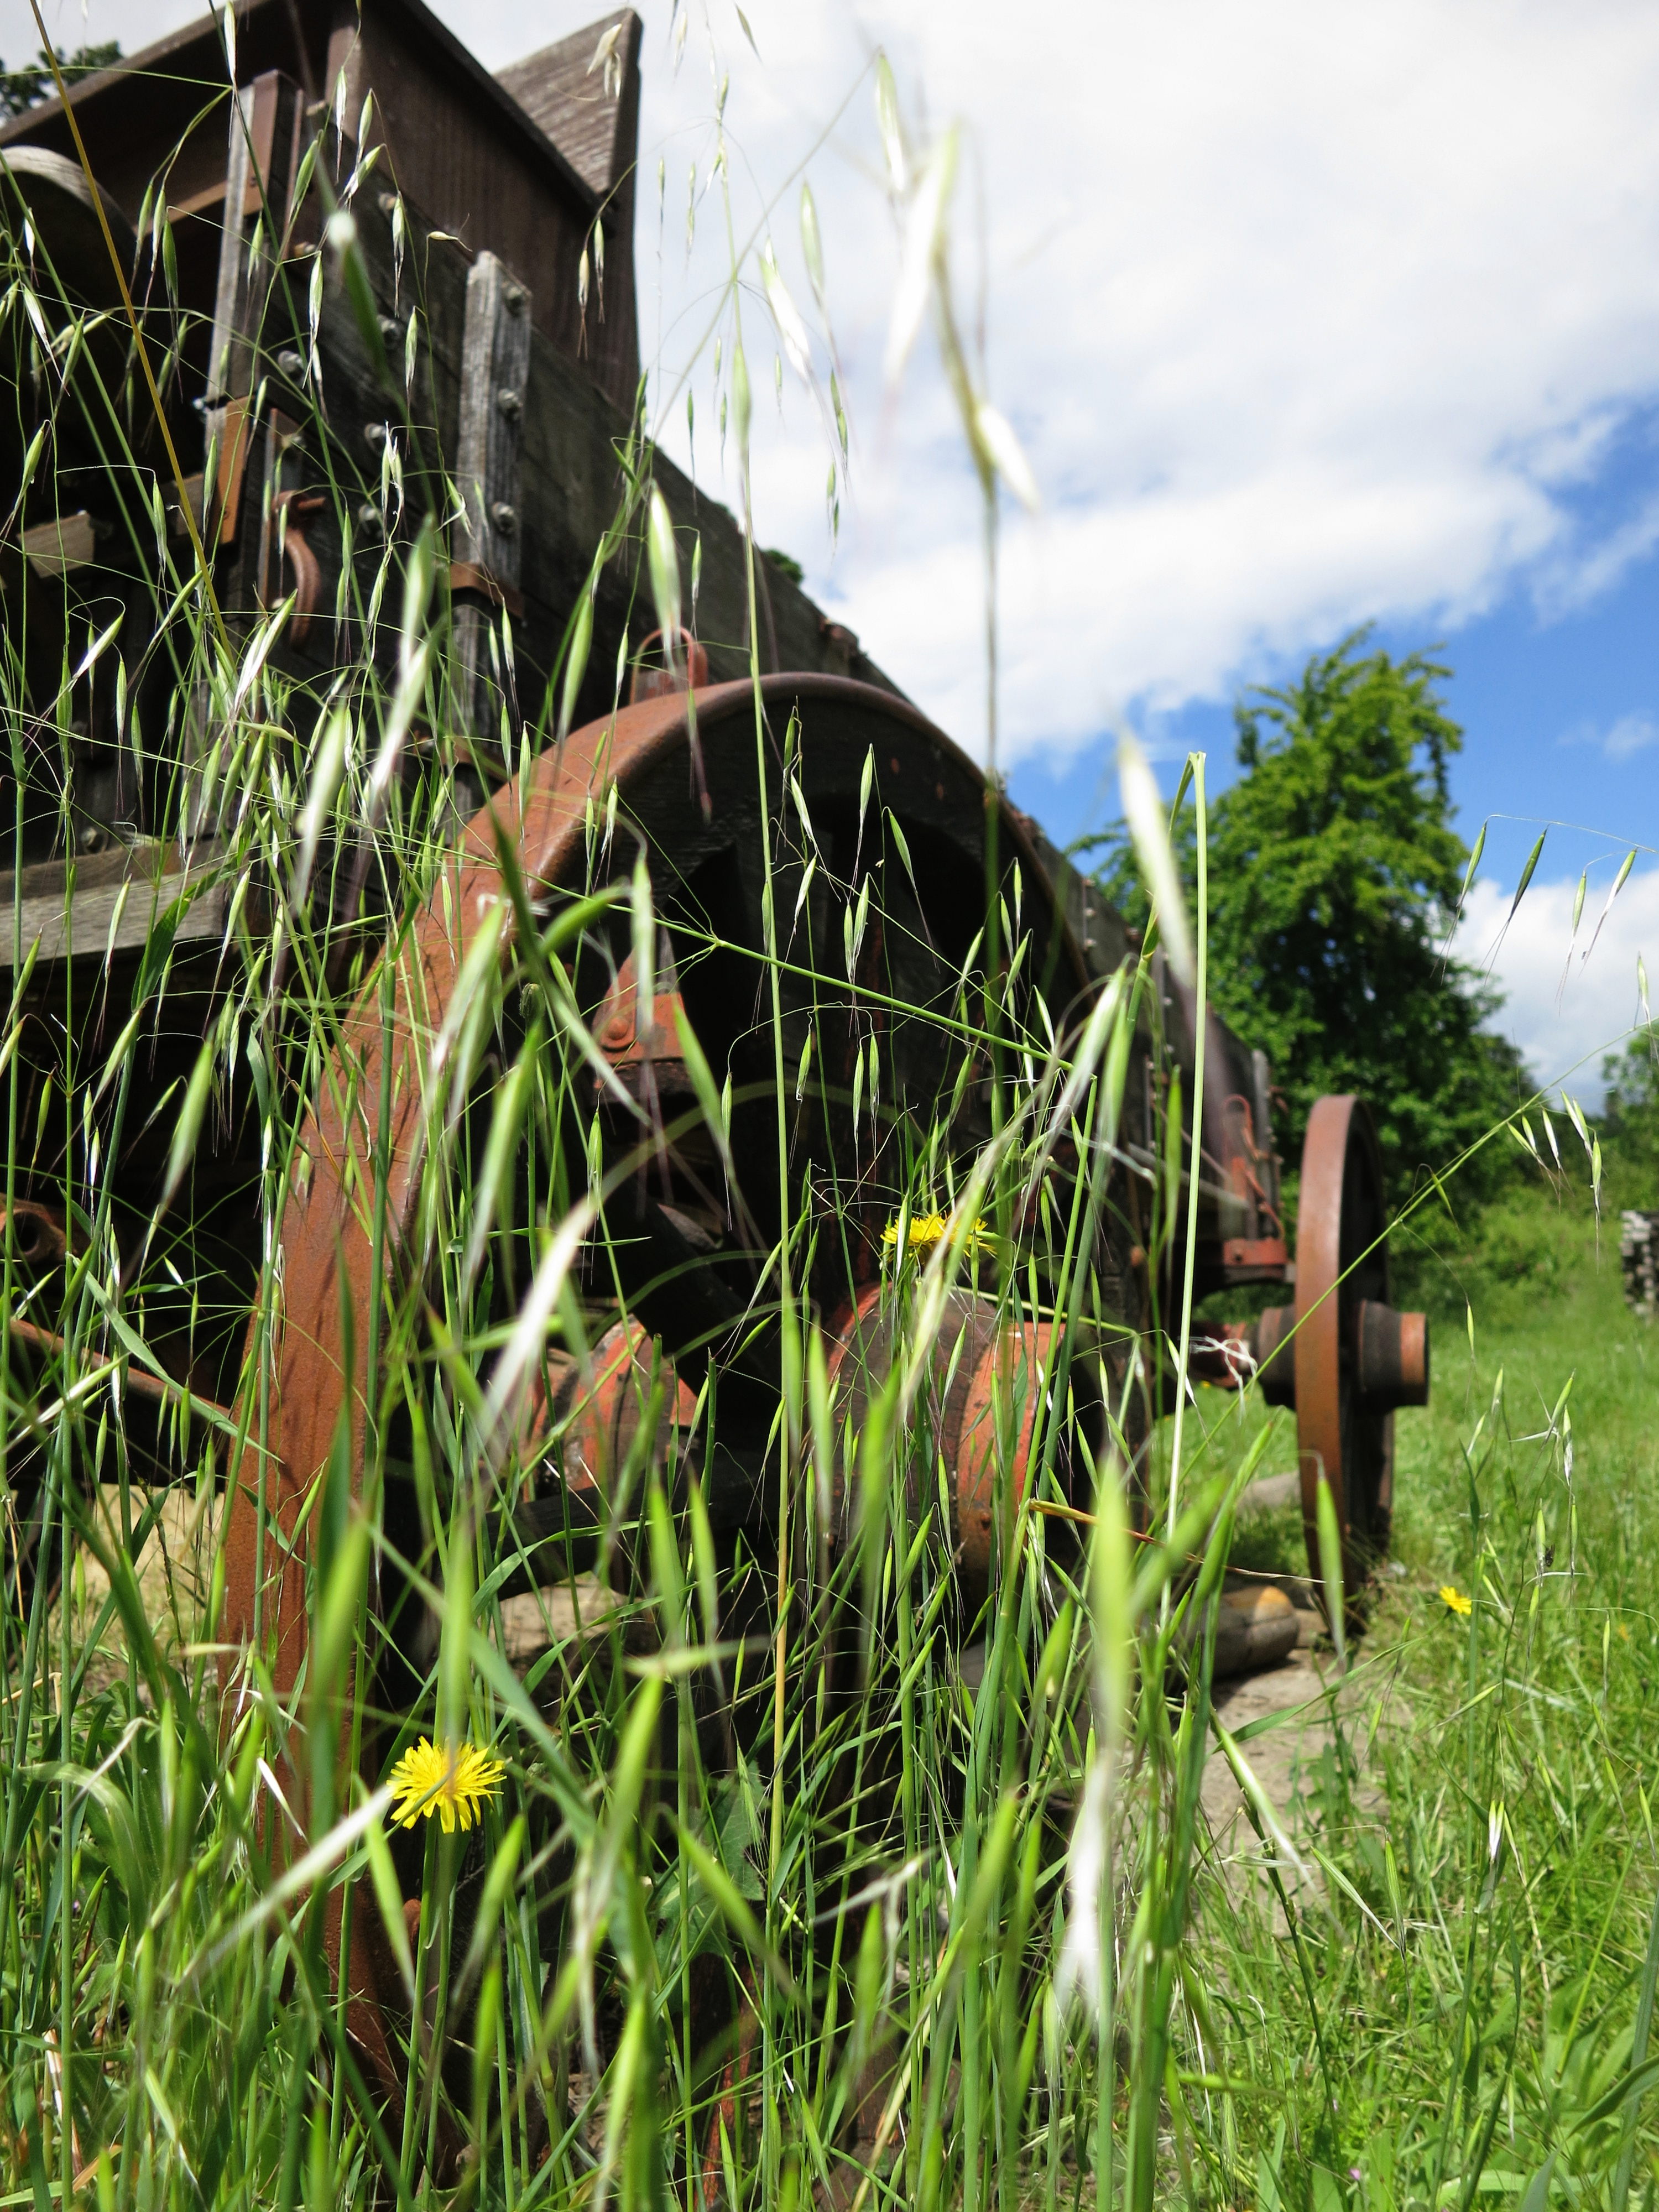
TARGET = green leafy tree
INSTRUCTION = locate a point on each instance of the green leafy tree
(1334, 870)
(1628, 1126)
(25, 87)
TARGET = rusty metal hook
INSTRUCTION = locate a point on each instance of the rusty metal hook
(691, 675)
(292, 544)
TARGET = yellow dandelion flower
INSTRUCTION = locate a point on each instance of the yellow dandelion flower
(1454, 1601)
(927, 1230)
(454, 1785)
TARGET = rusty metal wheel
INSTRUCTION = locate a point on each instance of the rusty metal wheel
(689, 798)
(1356, 1358)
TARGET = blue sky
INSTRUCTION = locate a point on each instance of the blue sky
(1559, 711)
(1556, 686)
(1559, 708)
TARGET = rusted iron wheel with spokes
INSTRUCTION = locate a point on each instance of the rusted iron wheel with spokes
(1344, 1429)
(778, 800)
(1352, 1361)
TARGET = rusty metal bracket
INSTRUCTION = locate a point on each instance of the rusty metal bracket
(292, 546)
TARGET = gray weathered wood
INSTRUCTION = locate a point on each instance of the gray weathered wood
(490, 472)
(116, 900)
(227, 367)
(495, 371)
(260, 161)
(67, 542)
(589, 113)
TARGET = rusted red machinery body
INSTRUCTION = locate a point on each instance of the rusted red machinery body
(329, 1287)
(329, 1243)
(988, 1376)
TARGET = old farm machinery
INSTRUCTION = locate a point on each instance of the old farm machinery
(767, 997)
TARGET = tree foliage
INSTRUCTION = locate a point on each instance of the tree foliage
(1629, 1121)
(1333, 869)
(25, 87)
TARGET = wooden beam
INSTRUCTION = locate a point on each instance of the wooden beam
(113, 902)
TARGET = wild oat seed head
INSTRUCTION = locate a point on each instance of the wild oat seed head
(455, 1785)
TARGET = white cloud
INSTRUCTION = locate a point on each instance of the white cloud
(1302, 314)
(1629, 734)
(1579, 574)
(1563, 1012)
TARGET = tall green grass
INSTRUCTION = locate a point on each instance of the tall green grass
(811, 1877)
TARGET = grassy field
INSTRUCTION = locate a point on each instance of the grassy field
(1466, 2010)
(1434, 1985)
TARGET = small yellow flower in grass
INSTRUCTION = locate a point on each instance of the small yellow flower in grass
(1454, 1601)
(927, 1230)
(453, 1784)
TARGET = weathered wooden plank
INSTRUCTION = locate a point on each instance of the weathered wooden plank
(65, 543)
(114, 903)
(593, 116)
(262, 155)
(461, 148)
(494, 370)
(585, 111)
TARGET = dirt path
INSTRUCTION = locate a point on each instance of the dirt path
(1295, 1759)
(1281, 1758)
